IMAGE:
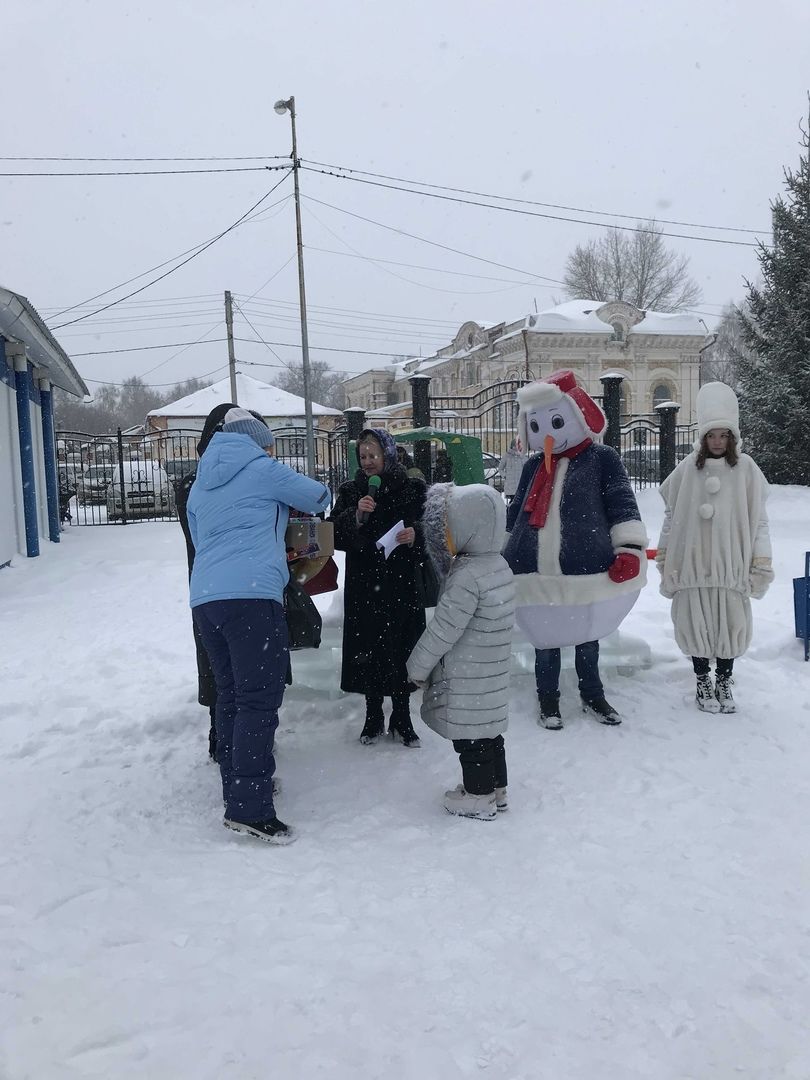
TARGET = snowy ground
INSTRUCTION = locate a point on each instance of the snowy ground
(640, 912)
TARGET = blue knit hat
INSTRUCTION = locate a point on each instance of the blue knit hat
(241, 422)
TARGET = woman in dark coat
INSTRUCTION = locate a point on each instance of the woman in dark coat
(206, 687)
(383, 613)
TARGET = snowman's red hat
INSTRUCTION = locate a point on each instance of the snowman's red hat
(553, 388)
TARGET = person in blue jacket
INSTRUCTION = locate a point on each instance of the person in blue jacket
(237, 516)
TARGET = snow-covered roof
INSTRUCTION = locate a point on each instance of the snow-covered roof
(268, 400)
(579, 317)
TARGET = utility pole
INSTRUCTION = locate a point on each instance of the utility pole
(281, 107)
(231, 355)
(525, 335)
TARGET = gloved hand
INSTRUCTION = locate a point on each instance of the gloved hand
(759, 577)
(624, 567)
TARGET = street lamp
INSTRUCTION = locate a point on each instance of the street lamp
(281, 107)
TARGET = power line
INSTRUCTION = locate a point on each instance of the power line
(528, 213)
(401, 277)
(211, 329)
(104, 382)
(205, 247)
(356, 311)
(247, 341)
(249, 157)
(418, 266)
(433, 243)
(146, 172)
(261, 339)
(174, 258)
(533, 202)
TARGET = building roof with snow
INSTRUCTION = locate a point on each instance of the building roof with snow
(271, 401)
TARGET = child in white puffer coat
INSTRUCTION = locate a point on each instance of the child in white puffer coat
(462, 659)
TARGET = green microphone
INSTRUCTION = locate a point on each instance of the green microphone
(373, 487)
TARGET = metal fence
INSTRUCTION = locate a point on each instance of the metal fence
(641, 447)
(116, 479)
(491, 415)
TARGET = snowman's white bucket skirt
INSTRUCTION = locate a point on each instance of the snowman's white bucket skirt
(554, 627)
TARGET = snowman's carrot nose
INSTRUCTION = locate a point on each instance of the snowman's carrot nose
(548, 448)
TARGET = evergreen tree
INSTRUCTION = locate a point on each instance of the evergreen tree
(774, 376)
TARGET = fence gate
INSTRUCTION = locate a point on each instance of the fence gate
(116, 479)
(490, 416)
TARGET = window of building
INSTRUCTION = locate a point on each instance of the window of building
(661, 393)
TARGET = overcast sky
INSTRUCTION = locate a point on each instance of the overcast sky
(687, 112)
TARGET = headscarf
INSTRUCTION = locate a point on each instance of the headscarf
(387, 444)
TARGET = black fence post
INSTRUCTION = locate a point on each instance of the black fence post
(121, 479)
(355, 422)
(667, 417)
(420, 402)
(612, 408)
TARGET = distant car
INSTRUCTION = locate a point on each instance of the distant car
(492, 464)
(93, 483)
(177, 468)
(642, 464)
(147, 491)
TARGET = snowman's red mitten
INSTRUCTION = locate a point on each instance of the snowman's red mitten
(624, 567)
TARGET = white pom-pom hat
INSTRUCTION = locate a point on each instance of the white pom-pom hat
(717, 407)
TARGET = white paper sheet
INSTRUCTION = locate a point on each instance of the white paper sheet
(388, 542)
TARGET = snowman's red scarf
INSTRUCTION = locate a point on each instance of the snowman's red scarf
(538, 500)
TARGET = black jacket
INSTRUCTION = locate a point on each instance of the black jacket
(383, 616)
(206, 686)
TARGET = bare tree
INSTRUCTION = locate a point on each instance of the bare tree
(721, 361)
(634, 267)
(326, 385)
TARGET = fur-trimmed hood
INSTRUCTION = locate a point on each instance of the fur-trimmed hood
(473, 515)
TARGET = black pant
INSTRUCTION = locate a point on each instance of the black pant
(483, 764)
(400, 703)
(586, 660)
(246, 641)
(702, 666)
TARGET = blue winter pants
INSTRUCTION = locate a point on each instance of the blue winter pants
(246, 642)
(586, 661)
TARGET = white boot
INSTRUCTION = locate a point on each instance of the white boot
(722, 691)
(501, 800)
(704, 695)
(461, 802)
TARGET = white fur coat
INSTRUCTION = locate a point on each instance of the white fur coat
(714, 537)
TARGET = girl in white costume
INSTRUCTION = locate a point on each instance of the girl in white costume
(714, 552)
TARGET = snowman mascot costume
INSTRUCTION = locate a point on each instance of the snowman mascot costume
(575, 540)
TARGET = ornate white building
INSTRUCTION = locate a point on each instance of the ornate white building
(658, 354)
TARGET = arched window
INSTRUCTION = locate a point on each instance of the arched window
(661, 393)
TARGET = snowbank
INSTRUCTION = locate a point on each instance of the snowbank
(640, 912)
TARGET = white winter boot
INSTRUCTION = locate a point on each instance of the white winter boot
(722, 691)
(704, 695)
(461, 802)
(501, 799)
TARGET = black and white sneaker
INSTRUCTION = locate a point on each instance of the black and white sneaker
(704, 695)
(272, 832)
(550, 712)
(600, 709)
(722, 691)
